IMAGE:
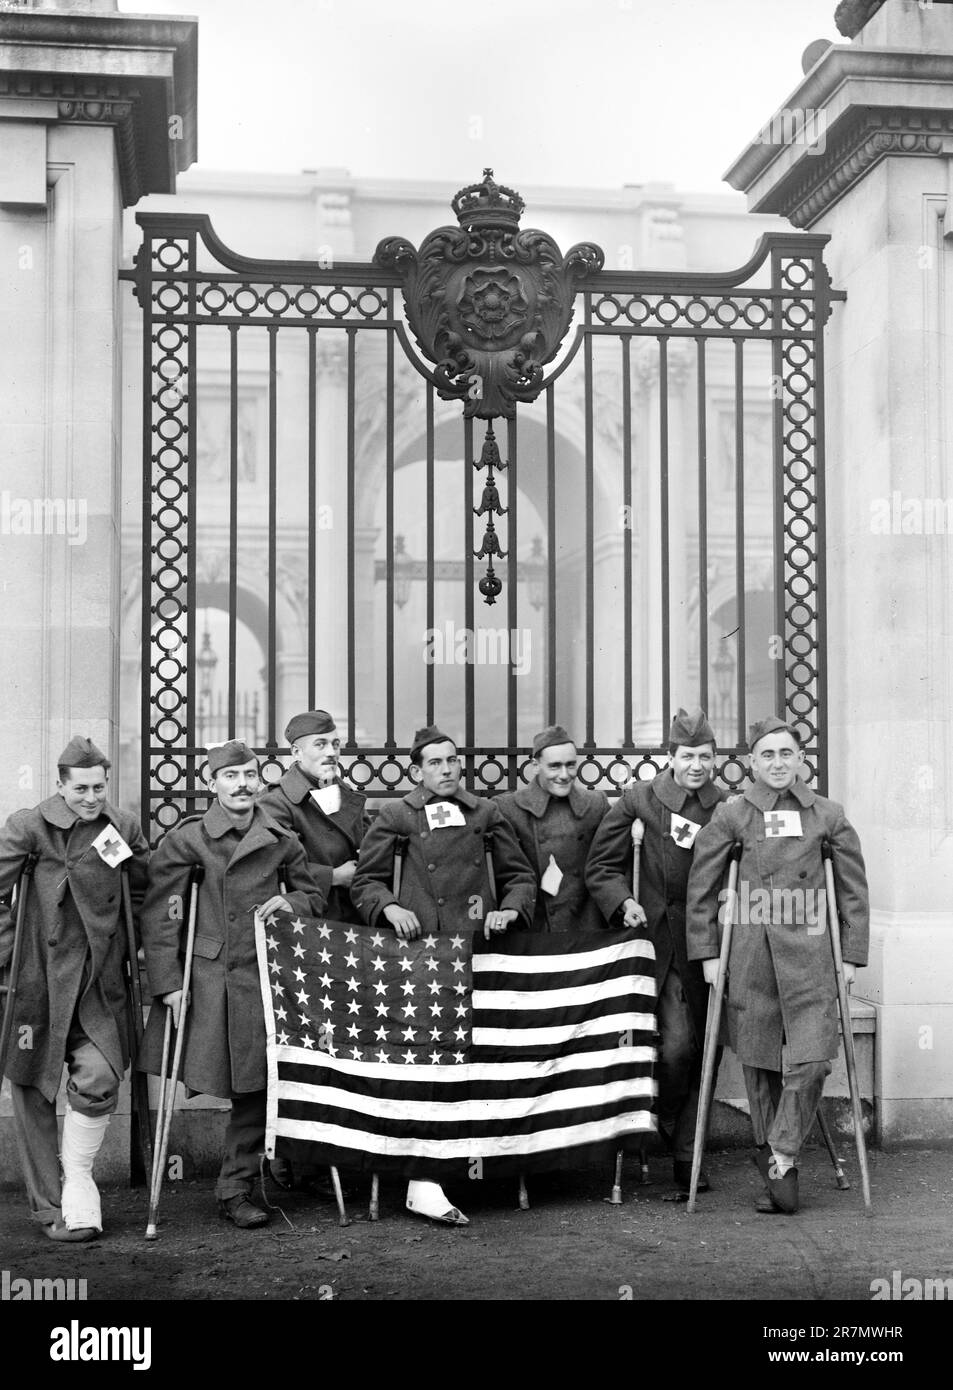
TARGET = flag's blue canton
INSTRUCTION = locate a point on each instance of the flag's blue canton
(367, 996)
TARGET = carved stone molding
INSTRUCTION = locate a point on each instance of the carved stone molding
(148, 94)
(873, 134)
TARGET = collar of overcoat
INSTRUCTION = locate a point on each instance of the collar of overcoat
(765, 799)
(671, 795)
(56, 812)
(261, 831)
(298, 786)
(534, 799)
(418, 798)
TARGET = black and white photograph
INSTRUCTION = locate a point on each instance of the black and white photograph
(476, 654)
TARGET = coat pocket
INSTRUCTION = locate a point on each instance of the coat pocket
(207, 947)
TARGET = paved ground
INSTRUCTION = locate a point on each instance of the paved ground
(571, 1245)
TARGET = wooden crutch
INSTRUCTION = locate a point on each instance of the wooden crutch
(638, 833)
(196, 874)
(140, 1157)
(715, 996)
(9, 990)
(374, 1206)
(843, 1182)
(843, 1002)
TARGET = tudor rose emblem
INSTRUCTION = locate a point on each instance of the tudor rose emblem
(488, 302)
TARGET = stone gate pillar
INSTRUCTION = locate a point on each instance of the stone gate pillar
(96, 109)
(862, 150)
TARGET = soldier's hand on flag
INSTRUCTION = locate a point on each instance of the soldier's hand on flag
(404, 922)
(634, 914)
(344, 874)
(710, 968)
(497, 922)
(173, 1001)
(275, 904)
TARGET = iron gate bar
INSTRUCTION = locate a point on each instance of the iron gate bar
(271, 719)
(821, 754)
(512, 594)
(740, 665)
(703, 615)
(389, 535)
(664, 511)
(590, 609)
(351, 457)
(777, 481)
(550, 667)
(469, 463)
(233, 527)
(627, 528)
(174, 294)
(431, 579)
(312, 510)
(191, 382)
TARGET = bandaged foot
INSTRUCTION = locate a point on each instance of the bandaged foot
(783, 1162)
(82, 1139)
(429, 1199)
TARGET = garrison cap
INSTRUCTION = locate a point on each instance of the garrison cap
(234, 753)
(431, 734)
(82, 752)
(771, 725)
(549, 737)
(690, 729)
(314, 721)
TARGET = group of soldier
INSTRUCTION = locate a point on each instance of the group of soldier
(552, 856)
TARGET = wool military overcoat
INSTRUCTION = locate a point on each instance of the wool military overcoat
(561, 827)
(74, 945)
(664, 866)
(329, 840)
(225, 1039)
(781, 984)
(445, 880)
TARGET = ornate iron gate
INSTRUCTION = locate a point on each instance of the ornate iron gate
(643, 528)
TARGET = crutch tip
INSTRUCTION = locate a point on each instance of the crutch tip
(344, 1221)
(151, 1232)
(616, 1199)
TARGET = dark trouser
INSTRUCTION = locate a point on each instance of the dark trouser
(679, 1067)
(783, 1104)
(92, 1089)
(244, 1145)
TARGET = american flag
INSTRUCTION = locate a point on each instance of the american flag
(425, 1055)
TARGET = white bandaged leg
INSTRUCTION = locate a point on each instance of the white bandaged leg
(82, 1139)
(429, 1199)
(783, 1162)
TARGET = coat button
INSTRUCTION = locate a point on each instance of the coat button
(431, 867)
(441, 901)
(51, 940)
(231, 916)
(424, 834)
(803, 874)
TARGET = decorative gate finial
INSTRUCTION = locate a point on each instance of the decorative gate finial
(489, 303)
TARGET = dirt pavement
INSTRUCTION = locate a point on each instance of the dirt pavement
(571, 1245)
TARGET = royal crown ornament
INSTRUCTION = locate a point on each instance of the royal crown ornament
(488, 302)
